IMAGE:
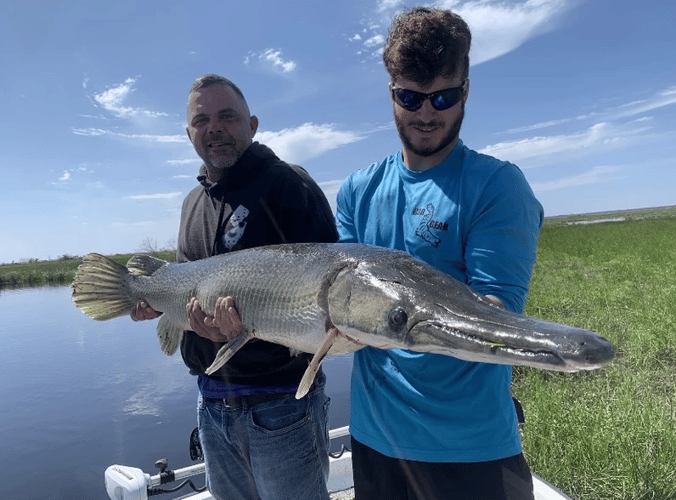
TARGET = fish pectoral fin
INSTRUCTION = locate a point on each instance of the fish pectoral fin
(313, 368)
(169, 335)
(228, 351)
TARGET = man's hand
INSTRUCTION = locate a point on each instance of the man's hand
(496, 301)
(223, 326)
(143, 311)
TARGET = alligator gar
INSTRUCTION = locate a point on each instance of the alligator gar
(328, 299)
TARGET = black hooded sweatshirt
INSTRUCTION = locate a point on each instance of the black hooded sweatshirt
(261, 201)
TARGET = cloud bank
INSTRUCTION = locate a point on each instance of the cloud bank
(497, 27)
(307, 141)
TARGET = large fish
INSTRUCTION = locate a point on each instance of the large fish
(330, 299)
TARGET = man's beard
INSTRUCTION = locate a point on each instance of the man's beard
(223, 160)
(447, 139)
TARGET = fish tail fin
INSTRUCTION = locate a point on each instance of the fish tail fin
(100, 288)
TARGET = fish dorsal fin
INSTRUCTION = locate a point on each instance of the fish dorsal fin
(313, 368)
(169, 334)
(228, 351)
(144, 265)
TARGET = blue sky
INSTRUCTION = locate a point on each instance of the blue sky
(581, 95)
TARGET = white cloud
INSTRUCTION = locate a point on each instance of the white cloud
(596, 175)
(376, 41)
(156, 196)
(297, 145)
(613, 132)
(180, 163)
(612, 117)
(113, 100)
(599, 137)
(388, 5)
(537, 126)
(666, 97)
(125, 225)
(65, 176)
(270, 58)
(498, 27)
(94, 132)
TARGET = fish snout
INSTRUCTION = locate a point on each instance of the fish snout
(589, 353)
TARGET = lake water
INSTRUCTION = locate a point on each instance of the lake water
(78, 395)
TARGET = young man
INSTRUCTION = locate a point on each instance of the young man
(258, 441)
(426, 426)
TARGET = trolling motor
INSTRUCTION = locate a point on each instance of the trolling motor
(130, 483)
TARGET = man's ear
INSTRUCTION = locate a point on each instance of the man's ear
(254, 125)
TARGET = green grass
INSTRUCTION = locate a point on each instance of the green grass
(54, 272)
(610, 433)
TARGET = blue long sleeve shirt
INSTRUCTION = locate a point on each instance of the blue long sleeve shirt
(475, 218)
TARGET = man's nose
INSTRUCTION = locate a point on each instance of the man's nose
(214, 127)
(426, 111)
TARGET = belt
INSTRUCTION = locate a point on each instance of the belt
(254, 399)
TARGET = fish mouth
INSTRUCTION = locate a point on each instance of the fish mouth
(568, 351)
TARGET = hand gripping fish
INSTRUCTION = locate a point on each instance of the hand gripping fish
(328, 299)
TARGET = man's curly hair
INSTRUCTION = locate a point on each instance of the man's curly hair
(424, 43)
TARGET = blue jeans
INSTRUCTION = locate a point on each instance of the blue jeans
(273, 450)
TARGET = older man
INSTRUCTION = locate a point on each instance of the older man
(259, 442)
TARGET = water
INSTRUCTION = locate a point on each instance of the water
(77, 395)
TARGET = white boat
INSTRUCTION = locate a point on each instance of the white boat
(131, 483)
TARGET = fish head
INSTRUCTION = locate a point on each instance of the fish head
(404, 303)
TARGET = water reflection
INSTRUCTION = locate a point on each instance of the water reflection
(78, 395)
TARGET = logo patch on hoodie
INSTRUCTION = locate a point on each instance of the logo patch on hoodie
(235, 227)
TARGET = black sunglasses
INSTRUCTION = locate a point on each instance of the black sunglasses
(411, 100)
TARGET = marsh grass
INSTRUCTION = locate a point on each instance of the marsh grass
(53, 272)
(609, 433)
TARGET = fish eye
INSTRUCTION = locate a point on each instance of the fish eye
(398, 317)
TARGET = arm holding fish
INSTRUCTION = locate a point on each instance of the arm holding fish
(500, 246)
(223, 326)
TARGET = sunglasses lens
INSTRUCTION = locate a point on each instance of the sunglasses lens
(446, 99)
(408, 99)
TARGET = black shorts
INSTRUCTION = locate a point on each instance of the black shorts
(379, 477)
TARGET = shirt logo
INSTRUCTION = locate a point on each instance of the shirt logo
(234, 229)
(428, 224)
